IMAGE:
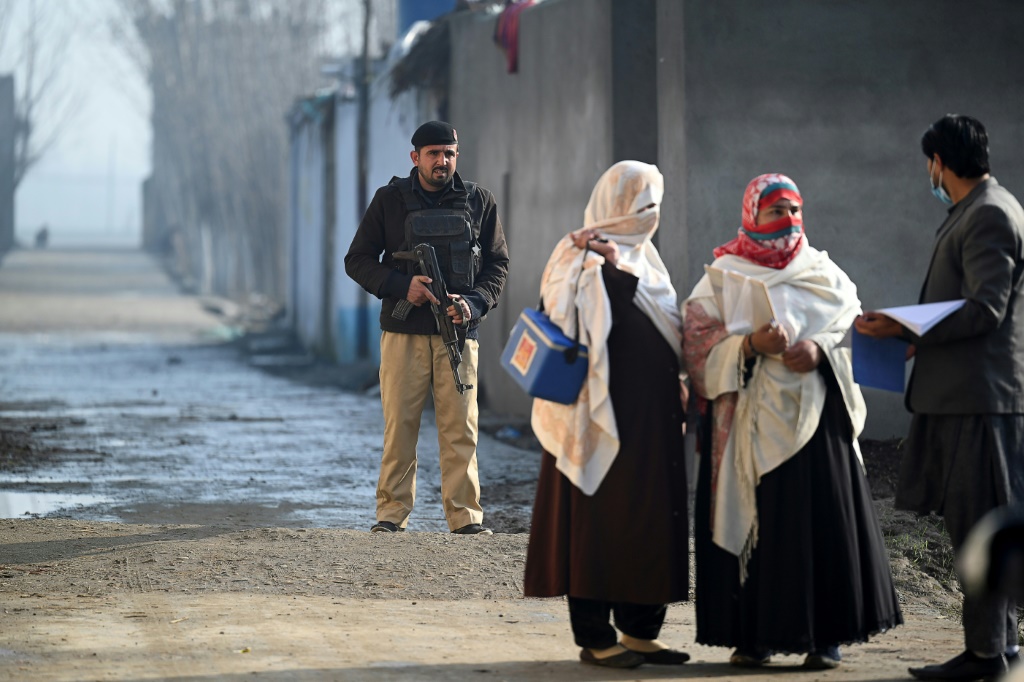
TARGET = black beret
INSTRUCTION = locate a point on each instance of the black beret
(434, 132)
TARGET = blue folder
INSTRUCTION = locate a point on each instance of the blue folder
(879, 363)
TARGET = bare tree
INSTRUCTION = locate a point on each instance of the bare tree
(223, 74)
(43, 106)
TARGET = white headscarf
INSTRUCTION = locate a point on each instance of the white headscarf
(624, 207)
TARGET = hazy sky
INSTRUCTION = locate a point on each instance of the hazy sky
(88, 186)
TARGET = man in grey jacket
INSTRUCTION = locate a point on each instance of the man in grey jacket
(965, 452)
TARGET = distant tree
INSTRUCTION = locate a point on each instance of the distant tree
(40, 47)
(222, 75)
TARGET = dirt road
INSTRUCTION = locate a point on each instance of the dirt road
(94, 601)
(211, 528)
(143, 407)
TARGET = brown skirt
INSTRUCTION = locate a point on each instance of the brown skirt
(629, 541)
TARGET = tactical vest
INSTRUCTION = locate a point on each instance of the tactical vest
(451, 231)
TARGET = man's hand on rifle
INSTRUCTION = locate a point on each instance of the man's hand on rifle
(459, 310)
(419, 292)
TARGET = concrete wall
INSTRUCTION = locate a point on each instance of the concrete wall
(331, 314)
(348, 300)
(541, 137)
(392, 122)
(835, 95)
(7, 123)
(308, 232)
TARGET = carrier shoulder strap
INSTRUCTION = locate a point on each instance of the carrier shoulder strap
(404, 186)
(462, 204)
(412, 202)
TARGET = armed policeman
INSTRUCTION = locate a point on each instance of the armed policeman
(433, 205)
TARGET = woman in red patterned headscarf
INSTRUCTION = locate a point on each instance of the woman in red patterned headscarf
(790, 556)
(773, 226)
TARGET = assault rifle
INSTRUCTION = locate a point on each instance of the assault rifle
(426, 257)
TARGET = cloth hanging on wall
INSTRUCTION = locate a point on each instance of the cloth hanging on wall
(506, 31)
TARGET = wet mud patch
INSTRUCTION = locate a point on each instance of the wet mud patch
(31, 406)
(216, 515)
(16, 448)
(24, 428)
(508, 499)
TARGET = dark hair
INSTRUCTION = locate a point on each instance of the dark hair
(961, 142)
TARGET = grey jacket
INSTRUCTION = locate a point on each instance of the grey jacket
(973, 361)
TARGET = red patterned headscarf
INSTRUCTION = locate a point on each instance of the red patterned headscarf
(773, 244)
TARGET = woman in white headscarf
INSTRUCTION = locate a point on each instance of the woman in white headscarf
(610, 519)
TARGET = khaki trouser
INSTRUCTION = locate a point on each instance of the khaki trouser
(410, 364)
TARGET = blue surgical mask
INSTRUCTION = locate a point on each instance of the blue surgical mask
(938, 190)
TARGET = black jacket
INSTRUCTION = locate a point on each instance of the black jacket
(382, 231)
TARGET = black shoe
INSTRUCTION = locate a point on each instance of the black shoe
(966, 666)
(386, 527)
(473, 529)
(750, 659)
(823, 659)
(627, 659)
(663, 656)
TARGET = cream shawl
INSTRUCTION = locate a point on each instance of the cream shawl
(624, 207)
(778, 410)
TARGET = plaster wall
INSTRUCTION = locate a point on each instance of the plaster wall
(308, 233)
(392, 122)
(539, 139)
(347, 298)
(7, 127)
(836, 95)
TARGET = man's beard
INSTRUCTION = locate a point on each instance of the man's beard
(434, 181)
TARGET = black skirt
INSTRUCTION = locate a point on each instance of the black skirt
(820, 573)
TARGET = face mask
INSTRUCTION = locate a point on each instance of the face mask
(938, 190)
(777, 228)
